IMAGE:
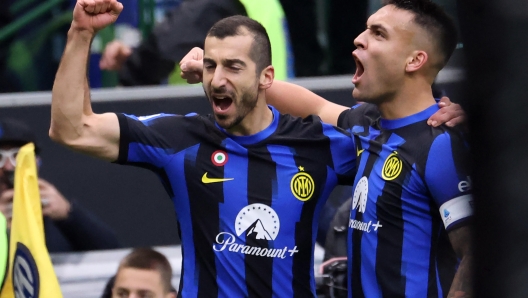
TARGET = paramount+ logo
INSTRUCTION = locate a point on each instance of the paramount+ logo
(392, 167)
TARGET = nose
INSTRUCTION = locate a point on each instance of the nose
(360, 41)
(219, 79)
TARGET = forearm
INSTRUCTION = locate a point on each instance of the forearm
(462, 286)
(71, 95)
(292, 99)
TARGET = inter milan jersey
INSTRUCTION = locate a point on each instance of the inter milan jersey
(247, 206)
(412, 187)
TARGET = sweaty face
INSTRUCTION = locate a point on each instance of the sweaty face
(381, 54)
(229, 78)
(137, 283)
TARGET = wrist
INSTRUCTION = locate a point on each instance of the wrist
(79, 33)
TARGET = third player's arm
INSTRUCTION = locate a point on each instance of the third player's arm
(298, 101)
(73, 123)
(461, 240)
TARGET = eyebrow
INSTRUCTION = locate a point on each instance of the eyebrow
(227, 62)
(377, 27)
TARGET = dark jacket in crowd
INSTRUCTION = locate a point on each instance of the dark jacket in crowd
(81, 231)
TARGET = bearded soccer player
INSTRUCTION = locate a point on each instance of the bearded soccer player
(247, 183)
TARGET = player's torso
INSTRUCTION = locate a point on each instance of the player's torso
(248, 212)
(394, 224)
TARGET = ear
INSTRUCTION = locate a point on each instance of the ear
(266, 77)
(416, 61)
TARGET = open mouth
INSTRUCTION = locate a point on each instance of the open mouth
(221, 102)
(359, 69)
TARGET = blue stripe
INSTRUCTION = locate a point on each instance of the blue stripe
(416, 250)
(288, 209)
(230, 265)
(441, 173)
(138, 152)
(176, 170)
(343, 150)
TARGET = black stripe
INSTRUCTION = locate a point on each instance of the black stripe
(262, 177)
(318, 153)
(124, 139)
(357, 287)
(432, 289)
(390, 238)
(160, 172)
(204, 202)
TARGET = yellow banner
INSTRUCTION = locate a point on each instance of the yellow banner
(30, 272)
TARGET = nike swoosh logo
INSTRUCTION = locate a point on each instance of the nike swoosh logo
(207, 180)
(360, 151)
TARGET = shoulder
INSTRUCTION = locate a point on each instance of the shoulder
(360, 114)
(310, 127)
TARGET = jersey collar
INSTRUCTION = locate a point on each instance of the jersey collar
(401, 122)
(255, 138)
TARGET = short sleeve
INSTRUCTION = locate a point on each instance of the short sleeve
(147, 140)
(358, 115)
(342, 149)
(447, 178)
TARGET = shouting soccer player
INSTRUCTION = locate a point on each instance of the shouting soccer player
(247, 182)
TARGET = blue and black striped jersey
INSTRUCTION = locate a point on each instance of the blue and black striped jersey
(247, 206)
(411, 188)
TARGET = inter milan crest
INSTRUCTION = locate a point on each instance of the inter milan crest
(392, 167)
(25, 274)
(219, 158)
(302, 185)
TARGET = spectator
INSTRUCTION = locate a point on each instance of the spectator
(67, 225)
(142, 273)
(155, 58)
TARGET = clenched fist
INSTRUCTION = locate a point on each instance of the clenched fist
(94, 15)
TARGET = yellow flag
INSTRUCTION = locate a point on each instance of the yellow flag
(30, 270)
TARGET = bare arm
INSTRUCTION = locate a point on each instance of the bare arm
(462, 286)
(296, 100)
(292, 99)
(73, 122)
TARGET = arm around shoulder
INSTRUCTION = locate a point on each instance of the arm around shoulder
(292, 99)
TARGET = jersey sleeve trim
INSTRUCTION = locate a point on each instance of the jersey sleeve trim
(124, 139)
(341, 119)
(456, 210)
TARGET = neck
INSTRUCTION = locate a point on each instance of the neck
(255, 121)
(410, 99)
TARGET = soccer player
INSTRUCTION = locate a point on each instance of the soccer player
(408, 229)
(247, 182)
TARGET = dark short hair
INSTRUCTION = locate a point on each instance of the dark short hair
(260, 51)
(431, 17)
(149, 259)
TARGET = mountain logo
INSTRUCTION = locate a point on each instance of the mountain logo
(258, 221)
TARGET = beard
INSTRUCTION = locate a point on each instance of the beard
(243, 107)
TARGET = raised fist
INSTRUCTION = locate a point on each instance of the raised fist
(94, 15)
